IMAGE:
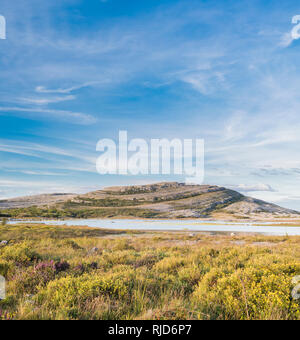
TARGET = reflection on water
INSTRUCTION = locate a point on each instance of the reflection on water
(179, 225)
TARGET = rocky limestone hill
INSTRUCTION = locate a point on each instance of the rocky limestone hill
(161, 200)
(35, 200)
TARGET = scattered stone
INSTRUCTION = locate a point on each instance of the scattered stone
(29, 298)
(93, 250)
(232, 234)
(192, 235)
(4, 243)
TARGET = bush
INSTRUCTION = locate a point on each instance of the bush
(162, 276)
(67, 294)
(4, 267)
(20, 253)
(252, 293)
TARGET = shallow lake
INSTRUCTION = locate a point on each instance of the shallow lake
(178, 225)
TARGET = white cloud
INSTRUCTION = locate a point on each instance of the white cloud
(42, 89)
(251, 188)
(41, 151)
(236, 126)
(39, 173)
(46, 101)
(70, 116)
(205, 81)
(275, 197)
(17, 188)
(286, 40)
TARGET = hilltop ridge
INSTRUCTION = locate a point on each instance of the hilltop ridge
(159, 200)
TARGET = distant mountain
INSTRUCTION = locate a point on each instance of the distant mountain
(161, 200)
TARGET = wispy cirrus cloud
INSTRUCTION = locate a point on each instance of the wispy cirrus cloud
(11, 188)
(36, 172)
(286, 40)
(252, 187)
(41, 150)
(65, 115)
(46, 101)
(43, 89)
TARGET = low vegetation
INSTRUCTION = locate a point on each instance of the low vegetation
(70, 210)
(84, 273)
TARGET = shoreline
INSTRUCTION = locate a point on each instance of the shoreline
(202, 221)
(172, 226)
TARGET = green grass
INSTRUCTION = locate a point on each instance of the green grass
(52, 273)
(77, 212)
(108, 202)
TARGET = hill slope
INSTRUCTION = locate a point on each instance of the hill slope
(161, 200)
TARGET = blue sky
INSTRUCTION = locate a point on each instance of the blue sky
(73, 72)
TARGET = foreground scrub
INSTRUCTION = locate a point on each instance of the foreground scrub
(56, 272)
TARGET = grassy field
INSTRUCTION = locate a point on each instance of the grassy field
(84, 273)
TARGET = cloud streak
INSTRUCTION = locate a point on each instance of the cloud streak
(252, 188)
(46, 101)
(76, 117)
(42, 89)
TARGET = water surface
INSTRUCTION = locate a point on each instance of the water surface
(179, 225)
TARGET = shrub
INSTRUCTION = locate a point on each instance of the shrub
(52, 277)
(67, 294)
(28, 281)
(61, 266)
(4, 267)
(19, 253)
(252, 293)
(122, 244)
